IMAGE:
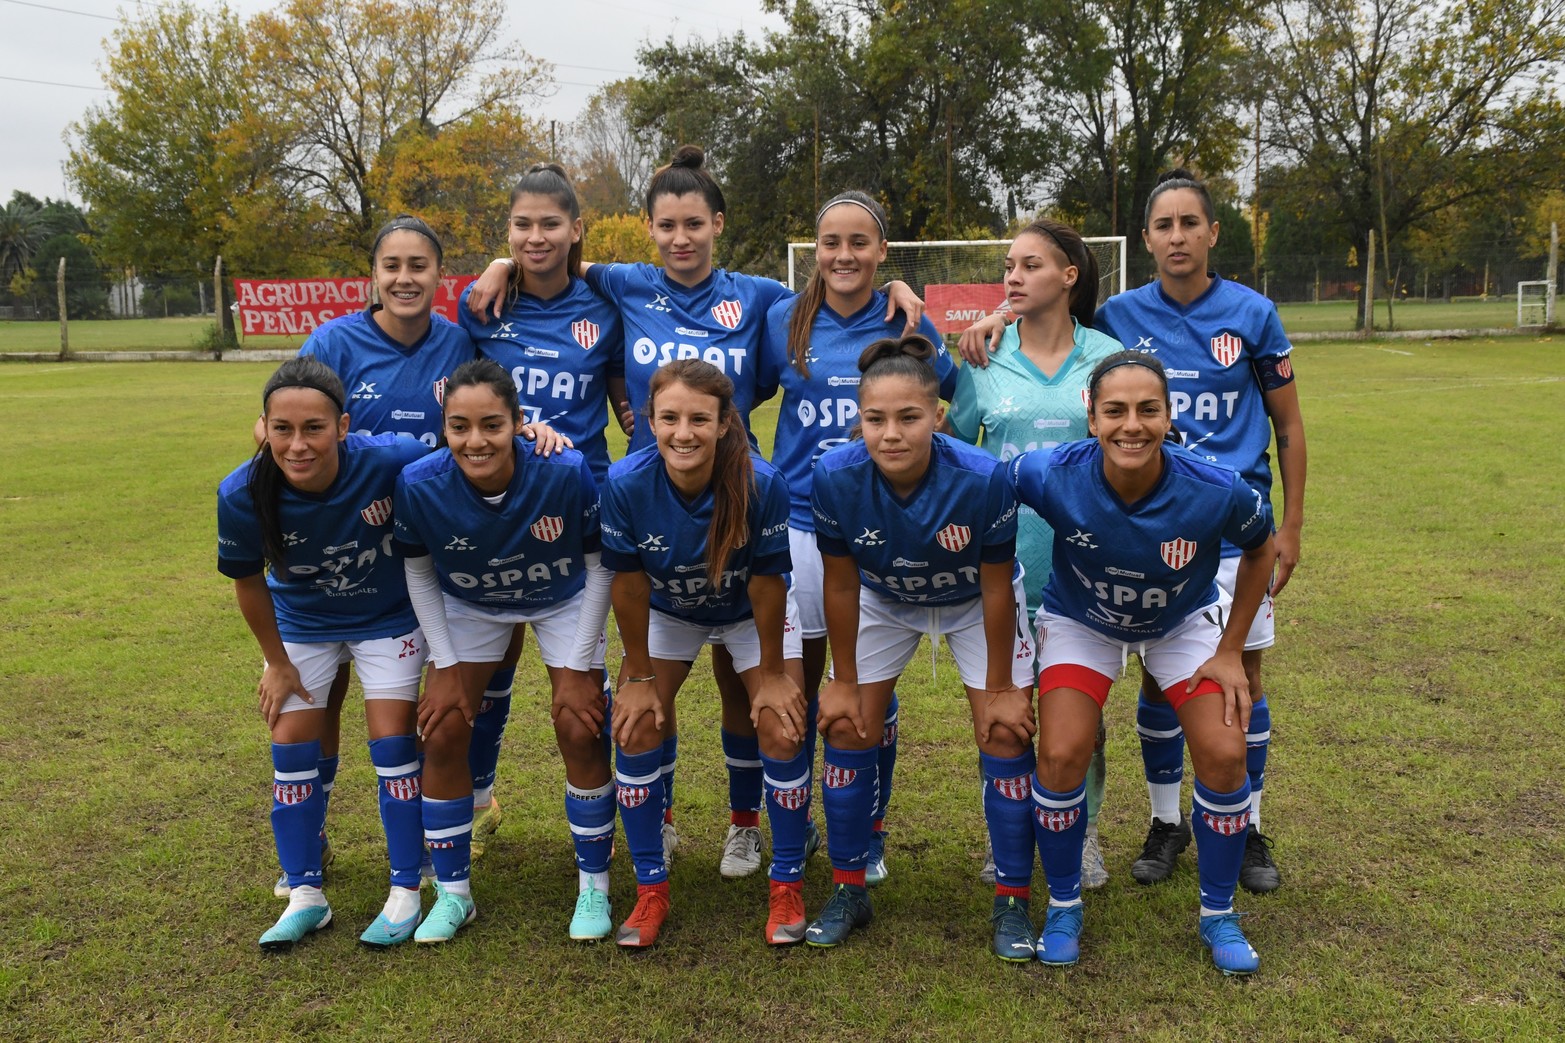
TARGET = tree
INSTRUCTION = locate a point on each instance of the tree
(1394, 112)
(611, 160)
(86, 289)
(22, 231)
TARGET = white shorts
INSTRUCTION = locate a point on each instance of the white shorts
(388, 667)
(889, 632)
(1263, 629)
(808, 579)
(669, 637)
(482, 637)
(1072, 655)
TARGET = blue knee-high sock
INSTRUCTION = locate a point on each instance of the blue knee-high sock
(328, 770)
(483, 752)
(590, 813)
(638, 787)
(788, 810)
(668, 760)
(849, 786)
(1060, 824)
(448, 830)
(298, 810)
(1162, 754)
(1219, 821)
(401, 811)
(1008, 814)
(742, 755)
(1257, 741)
(887, 757)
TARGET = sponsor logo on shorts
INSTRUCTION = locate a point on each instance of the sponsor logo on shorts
(1227, 825)
(791, 799)
(377, 513)
(1057, 821)
(292, 792)
(836, 778)
(1177, 553)
(585, 332)
(954, 537)
(409, 648)
(631, 796)
(728, 314)
(547, 528)
(1019, 788)
(1226, 348)
(404, 789)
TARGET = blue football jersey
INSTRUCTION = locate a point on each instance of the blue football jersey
(527, 551)
(648, 526)
(392, 388)
(342, 578)
(719, 321)
(1135, 573)
(927, 548)
(1210, 349)
(817, 413)
(561, 352)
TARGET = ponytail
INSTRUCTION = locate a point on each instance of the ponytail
(1084, 294)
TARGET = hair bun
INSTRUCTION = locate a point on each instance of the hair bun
(689, 156)
(913, 347)
(553, 168)
(1177, 174)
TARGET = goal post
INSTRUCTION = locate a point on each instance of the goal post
(960, 279)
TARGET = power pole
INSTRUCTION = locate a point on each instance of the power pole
(1369, 288)
(59, 287)
(1255, 202)
(1549, 314)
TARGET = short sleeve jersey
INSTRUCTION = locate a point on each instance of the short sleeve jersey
(1210, 349)
(925, 548)
(818, 412)
(1135, 572)
(342, 578)
(1013, 408)
(718, 321)
(648, 526)
(526, 551)
(392, 388)
(561, 352)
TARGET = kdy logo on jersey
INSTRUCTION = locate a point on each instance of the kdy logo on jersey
(954, 537)
(1177, 553)
(728, 314)
(548, 528)
(585, 332)
(377, 513)
(1226, 348)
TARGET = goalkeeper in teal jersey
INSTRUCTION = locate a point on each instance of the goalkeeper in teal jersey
(1032, 395)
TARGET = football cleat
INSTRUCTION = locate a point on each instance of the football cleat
(450, 913)
(1231, 951)
(875, 871)
(741, 852)
(486, 820)
(294, 924)
(1094, 874)
(383, 934)
(812, 838)
(986, 874)
(1164, 842)
(848, 908)
(785, 914)
(1013, 937)
(1059, 944)
(670, 843)
(647, 919)
(592, 920)
(1258, 873)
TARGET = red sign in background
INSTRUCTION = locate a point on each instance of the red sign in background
(295, 307)
(953, 307)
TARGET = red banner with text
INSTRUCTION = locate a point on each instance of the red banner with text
(295, 307)
(953, 307)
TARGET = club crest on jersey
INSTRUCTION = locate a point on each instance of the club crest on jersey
(1226, 348)
(377, 513)
(1227, 825)
(791, 799)
(440, 390)
(835, 777)
(1019, 788)
(404, 789)
(1177, 553)
(728, 314)
(954, 537)
(1086, 398)
(586, 333)
(631, 796)
(292, 792)
(1057, 821)
(548, 528)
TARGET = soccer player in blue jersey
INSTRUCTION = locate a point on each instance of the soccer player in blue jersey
(812, 343)
(304, 531)
(493, 536)
(1231, 382)
(917, 534)
(1139, 525)
(695, 528)
(1033, 395)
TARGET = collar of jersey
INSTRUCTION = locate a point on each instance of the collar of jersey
(1133, 508)
(1206, 294)
(405, 350)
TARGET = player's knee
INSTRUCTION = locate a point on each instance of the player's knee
(841, 734)
(1004, 742)
(1061, 765)
(774, 739)
(645, 736)
(573, 735)
(447, 742)
(1221, 765)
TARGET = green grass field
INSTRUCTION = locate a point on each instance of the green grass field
(1414, 783)
(1462, 313)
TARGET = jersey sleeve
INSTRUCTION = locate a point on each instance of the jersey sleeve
(828, 531)
(591, 528)
(773, 350)
(1273, 361)
(239, 550)
(1248, 523)
(945, 367)
(770, 530)
(405, 530)
(464, 315)
(1027, 473)
(1103, 320)
(617, 534)
(963, 414)
(610, 281)
(765, 292)
(1000, 539)
(613, 336)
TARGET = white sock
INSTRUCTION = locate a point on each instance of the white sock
(462, 887)
(1255, 809)
(1055, 903)
(596, 881)
(402, 904)
(1216, 912)
(1165, 800)
(483, 796)
(306, 897)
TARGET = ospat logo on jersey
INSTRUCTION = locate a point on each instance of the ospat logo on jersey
(377, 513)
(547, 528)
(1226, 348)
(1177, 553)
(585, 332)
(728, 314)
(954, 537)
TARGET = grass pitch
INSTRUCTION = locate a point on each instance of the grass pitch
(1413, 785)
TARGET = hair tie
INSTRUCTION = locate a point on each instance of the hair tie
(838, 202)
(1144, 363)
(302, 383)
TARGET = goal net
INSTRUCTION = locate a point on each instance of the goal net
(960, 279)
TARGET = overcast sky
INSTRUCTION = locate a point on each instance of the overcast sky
(50, 52)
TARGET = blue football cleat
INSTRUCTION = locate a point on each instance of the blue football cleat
(293, 925)
(847, 908)
(1231, 951)
(1059, 944)
(383, 934)
(1013, 939)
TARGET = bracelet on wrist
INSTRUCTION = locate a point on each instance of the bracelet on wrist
(641, 680)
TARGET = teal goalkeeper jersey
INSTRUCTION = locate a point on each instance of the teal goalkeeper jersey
(1011, 408)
